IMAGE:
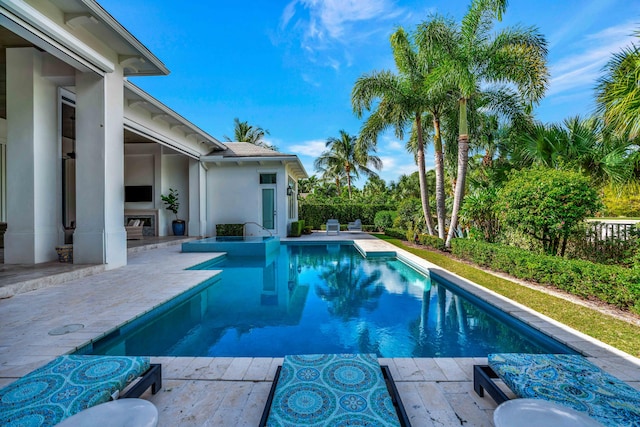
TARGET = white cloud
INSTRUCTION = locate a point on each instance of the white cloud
(312, 148)
(327, 30)
(582, 69)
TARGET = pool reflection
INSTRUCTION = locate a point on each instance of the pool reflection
(321, 299)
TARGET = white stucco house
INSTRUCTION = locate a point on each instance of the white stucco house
(83, 150)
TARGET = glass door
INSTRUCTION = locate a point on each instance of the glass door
(269, 208)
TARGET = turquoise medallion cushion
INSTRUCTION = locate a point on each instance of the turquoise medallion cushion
(66, 386)
(332, 390)
(573, 381)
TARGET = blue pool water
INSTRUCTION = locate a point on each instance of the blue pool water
(323, 299)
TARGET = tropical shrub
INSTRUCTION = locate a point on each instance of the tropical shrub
(384, 219)
(410, 216)
(615, 285)
(547, 204)
(478, 212)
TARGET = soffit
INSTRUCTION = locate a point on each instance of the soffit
(136, 58)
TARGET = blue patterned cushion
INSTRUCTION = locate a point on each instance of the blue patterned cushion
(332, 390)
(572, 381)
(65, 386)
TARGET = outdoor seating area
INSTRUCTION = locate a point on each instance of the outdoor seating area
(332, 389)
(568, 380)
(72, 383)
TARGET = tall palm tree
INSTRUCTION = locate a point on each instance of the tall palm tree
(346, 157)
(469, 58)
(244, 132)
(403, 101)
(618, 93)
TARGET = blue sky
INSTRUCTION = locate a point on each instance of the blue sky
(289, 66)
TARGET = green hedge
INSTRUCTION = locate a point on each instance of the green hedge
(615, 285)
(229, 229)
(396, 233)
(430, 241)
(316, 215)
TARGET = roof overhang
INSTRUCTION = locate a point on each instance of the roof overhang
(293, 162)
(136, 97)
(54, 33)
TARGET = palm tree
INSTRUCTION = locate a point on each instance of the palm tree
(403, 101)
(469, 57)
(585, 145)
(347, 158)
(618, 93)
(244, 132)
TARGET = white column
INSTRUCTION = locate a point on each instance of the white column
(33, 196)
(197, 198)
(100, 236)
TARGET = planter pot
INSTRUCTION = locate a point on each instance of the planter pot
(178, 227)
(65, 253)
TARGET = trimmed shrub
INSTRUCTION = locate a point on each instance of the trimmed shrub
(430, 241)
(612, 284)
(396, 233)
(229, 229)
(307, 229)
(296, 228)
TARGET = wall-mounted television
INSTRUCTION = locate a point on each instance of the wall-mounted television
(138, 193)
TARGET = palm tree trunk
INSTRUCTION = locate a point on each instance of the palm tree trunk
(424, 192)
(347, 170)
(463, 161)
(440, 199)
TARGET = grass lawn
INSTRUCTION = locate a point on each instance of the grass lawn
(608, 329)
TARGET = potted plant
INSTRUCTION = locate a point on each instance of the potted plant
(173, 204)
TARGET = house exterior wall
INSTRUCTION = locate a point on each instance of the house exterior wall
(234, 196)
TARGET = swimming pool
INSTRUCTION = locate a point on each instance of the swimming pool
(323, 299)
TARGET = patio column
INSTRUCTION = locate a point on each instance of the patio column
(100, 236)
(197, 198)
(33, 206)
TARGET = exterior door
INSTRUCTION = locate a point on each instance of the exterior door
(269, 208)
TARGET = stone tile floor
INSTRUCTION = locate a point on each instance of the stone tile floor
(232, 391)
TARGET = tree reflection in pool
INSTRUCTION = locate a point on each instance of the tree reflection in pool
(308, 299)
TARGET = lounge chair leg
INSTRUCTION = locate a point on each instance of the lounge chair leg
(153, 378)
(482, 380)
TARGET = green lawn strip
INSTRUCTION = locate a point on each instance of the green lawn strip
(608, 329)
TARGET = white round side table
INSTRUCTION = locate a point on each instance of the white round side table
(538, 412)
(117, 413)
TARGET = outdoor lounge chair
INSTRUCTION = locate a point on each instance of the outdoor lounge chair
(330, 389)
(333, 225)
(355, 225)
(72, 383)
(568, 380)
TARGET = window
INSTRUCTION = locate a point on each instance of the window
(267, 178)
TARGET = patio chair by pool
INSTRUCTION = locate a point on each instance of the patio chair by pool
(333, 225)
(355, 225)
(72, 383)
(568, 380)
(333, 390)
